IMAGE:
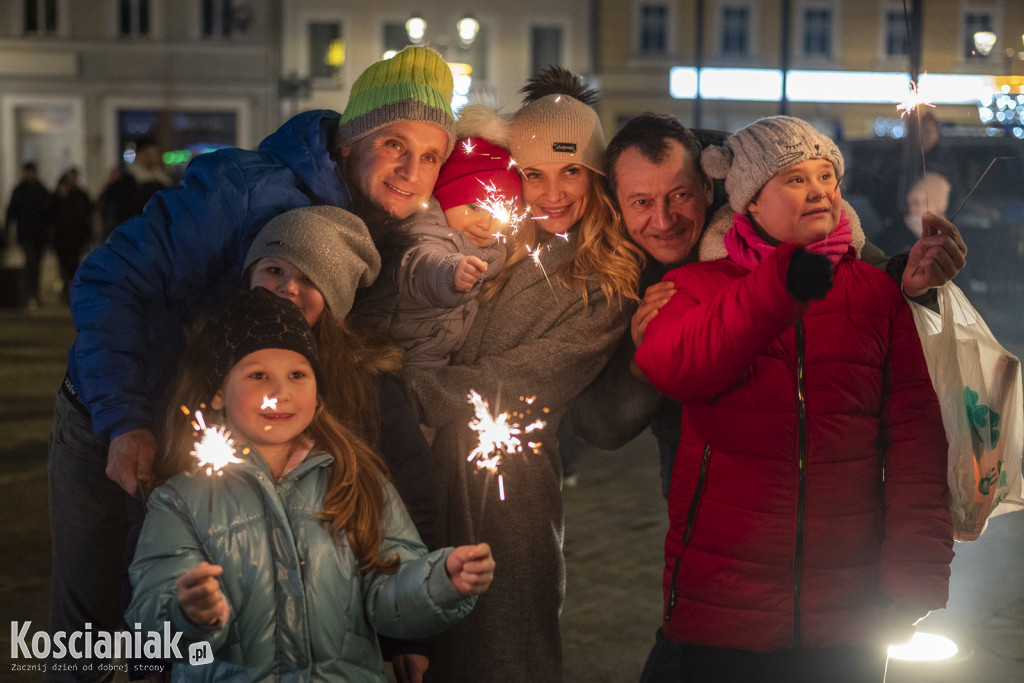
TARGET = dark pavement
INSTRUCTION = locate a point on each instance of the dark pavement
(615, 522)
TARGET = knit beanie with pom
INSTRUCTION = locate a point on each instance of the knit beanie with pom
(755, 154)
(556, 123)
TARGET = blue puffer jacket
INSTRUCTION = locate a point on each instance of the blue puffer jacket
(133, 297)
(300, 608)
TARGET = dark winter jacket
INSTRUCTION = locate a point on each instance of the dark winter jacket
(133, 297)
(783, 532)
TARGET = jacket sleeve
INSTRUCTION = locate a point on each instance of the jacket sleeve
(408, 457)
(425, 275)
(617, 405)
(554, 366)
(168, 547)
(701, 341)
(418, 600)
(918, 545)
(156, 271)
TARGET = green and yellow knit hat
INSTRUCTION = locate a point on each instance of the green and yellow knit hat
(414, 85)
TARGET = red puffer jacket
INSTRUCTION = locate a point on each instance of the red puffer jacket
(783, 531)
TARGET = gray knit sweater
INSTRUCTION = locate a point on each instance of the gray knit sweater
(534, 338)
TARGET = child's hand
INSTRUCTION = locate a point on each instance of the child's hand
(471, 568)
(468, 273)
(200, 597)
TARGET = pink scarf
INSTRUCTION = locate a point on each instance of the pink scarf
(746, 247)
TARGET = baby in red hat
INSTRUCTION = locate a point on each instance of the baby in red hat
(426, 296)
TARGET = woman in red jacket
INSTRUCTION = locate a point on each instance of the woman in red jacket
(808, 520)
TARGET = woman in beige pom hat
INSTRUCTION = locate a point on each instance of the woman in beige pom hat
(544, 328)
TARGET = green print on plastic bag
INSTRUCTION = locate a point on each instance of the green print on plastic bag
(981, 417)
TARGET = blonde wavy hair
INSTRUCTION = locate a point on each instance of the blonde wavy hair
(603, 251)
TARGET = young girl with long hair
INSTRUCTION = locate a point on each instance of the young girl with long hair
(291, 561)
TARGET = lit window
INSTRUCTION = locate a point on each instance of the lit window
(326, 50)
(975, 22)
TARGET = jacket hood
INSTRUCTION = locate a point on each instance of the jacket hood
(304, 143)
(712, 242)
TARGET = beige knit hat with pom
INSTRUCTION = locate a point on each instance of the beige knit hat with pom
(559, 126)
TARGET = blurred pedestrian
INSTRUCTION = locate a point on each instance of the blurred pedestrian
(131, 186)
(29, 209)
(72, 226)
(929, 193)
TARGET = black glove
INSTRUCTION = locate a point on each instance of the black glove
(809, 276)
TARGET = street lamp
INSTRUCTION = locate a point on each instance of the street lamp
(468, 28)
(416, 28)
(984, 41)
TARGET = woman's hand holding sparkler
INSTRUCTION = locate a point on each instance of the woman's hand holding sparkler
(471, 568)
(200, 596)
(130, 460)
(935, 258)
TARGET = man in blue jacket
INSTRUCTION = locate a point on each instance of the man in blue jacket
(134, 296)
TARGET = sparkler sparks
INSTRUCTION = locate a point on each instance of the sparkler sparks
(214, 450)
(912, 101)
(269, 403)
(498, 436)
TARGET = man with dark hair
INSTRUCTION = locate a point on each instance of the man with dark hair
(666, 201)
(29, 210)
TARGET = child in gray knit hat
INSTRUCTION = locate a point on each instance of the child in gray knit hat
(808, 518)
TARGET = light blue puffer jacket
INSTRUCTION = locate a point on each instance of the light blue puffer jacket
(300, 608)
(133, 296)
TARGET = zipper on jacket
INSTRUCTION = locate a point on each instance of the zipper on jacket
(801, 501)
(691, 519)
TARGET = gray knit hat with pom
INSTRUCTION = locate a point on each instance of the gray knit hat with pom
(330, 245)
(752, 156)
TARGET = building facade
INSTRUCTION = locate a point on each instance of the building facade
(843, 64)
(82, 81)
(503, 44)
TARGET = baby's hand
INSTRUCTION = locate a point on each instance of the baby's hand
(200, 597)
(471, 568)
(468, 273)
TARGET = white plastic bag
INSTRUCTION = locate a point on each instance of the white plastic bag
(978, 384)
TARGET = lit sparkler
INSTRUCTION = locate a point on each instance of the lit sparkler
(535, 255)
(214, 450)
(913, 101)
(502, 208)
(498, 436)
(269, 402)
